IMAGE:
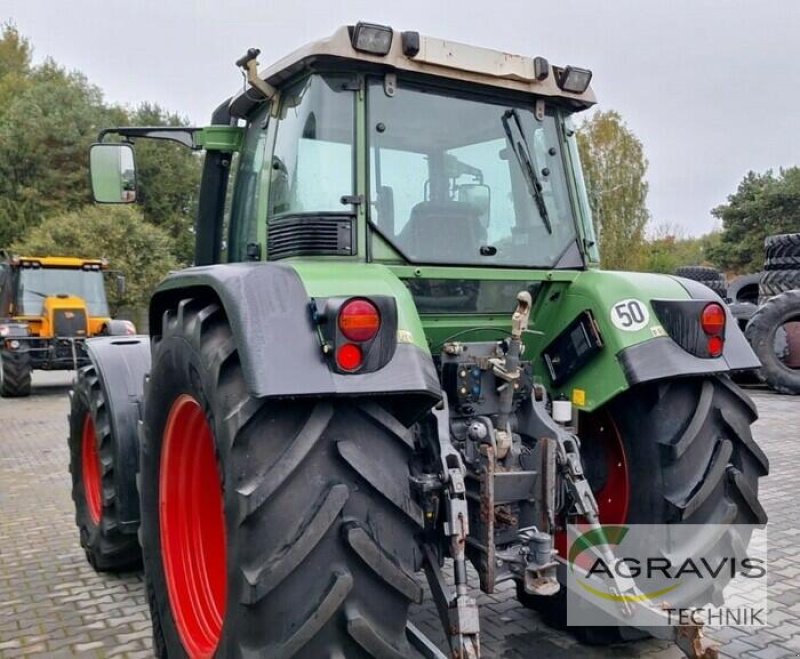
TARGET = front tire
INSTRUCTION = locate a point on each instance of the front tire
(15, 374)
(311, 498)
(92, 467)
(691, 459)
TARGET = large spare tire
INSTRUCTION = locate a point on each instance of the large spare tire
(711, 277)
(774, 334)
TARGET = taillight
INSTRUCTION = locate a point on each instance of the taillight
(357, 334)
(359, 320)
(712, 320)
(715, 346)
(349, 357)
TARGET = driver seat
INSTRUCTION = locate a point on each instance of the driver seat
(443, 232)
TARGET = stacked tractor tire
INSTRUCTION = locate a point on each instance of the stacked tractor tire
(774, 329)
(766, 306)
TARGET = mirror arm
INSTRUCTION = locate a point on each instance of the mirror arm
(180, 134)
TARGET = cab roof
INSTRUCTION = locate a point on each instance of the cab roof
(435, 57)
(59, 262)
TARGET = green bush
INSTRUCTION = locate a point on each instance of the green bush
(140, 251)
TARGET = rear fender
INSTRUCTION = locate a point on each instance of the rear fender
(640, 352)
(121, 365)
(268, 308)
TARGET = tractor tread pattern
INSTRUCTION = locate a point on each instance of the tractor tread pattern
(15, 379)
(107, 548)
(273, 570)
(370, 639)
(782, 244)
(775, 282)
(257, 491)
(382, 564)
(319, 616)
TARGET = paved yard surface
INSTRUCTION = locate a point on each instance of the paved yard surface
(53, 604)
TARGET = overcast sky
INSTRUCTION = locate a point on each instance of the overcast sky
(711, 87)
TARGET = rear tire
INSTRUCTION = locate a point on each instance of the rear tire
(15, 374)
(107, 548)
(320, 526)
(691, 459)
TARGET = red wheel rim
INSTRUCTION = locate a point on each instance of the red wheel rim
(192, 527)
(600, 437)
(90, 470)
(613, 498)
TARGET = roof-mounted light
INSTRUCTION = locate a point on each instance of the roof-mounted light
(574, 80)
(372, 39)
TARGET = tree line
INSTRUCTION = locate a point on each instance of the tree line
(49, 116)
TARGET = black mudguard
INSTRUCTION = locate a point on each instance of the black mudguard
(268, 309)
(663, 358)
(122, 364)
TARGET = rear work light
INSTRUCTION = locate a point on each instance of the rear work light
(372, 39)
(359, 320)
(574, 80)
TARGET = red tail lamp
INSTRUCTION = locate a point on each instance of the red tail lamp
(712, 320)
(715, 346)
(359, 320)
(349, 357)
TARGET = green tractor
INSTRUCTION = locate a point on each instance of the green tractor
(396, 349)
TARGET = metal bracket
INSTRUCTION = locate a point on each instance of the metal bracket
(249, 65)
(390, 84)
(538, 110)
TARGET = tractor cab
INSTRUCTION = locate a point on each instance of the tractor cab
(399, 149)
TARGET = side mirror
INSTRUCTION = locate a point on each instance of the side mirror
(112, 168)
(479, 196)
(121, 286)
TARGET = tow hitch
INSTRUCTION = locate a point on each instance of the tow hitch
(493, 497)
